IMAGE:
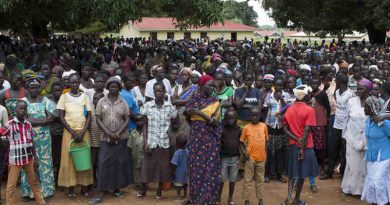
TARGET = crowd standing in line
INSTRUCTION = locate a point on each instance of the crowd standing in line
(194, 113)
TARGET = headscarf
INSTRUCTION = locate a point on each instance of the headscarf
(291, 72)
(33, 81)
(269, 77)
(375, 104)
(304, 67)
(204, 79)
(195, 72)
(113, 79)
(301, 91)
(186, 69)
(154, 69)
(366, 83)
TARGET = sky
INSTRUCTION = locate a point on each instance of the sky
(263, 18)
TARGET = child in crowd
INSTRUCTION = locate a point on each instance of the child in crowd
(136, 144)
(179, 159)
(3, 123)
(95, 131)
(255, 135)
(21, 156)
(230, 152)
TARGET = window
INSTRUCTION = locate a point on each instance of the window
(187, 35)
(170, 35)
(153, 35)
(233, 36)
(203, 35)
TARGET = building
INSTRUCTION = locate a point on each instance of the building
(165, 28)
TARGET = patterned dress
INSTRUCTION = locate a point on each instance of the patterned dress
(203, 152)
(42, 143)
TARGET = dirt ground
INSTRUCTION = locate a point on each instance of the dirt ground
(274, 192)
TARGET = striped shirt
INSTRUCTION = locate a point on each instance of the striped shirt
(20, 137)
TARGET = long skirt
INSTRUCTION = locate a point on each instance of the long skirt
(355, 171)
(307, 167)
(156, 166)
(115, 168)
(377, 183)
(68, 176)
(204, 171)
(42, 143)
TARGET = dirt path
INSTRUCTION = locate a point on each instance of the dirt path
(274, 193)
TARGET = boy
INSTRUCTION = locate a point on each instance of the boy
(230, 152)
(21, 156)
(95, 131)
(136, 144)
(255, 134)
(180, 162)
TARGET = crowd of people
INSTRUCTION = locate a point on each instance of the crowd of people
(194, 114)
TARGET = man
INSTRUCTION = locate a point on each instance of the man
(158, 73)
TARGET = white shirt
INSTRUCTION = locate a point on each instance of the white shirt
(67, 73)
(6, 86)
(149, 87)
(341, 115)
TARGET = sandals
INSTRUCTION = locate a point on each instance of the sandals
(158, 197)
(119, 194)
(231, 203)
(96, 200)
(140, 195)
(72, 195)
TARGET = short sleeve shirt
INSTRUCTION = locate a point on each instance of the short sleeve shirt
(252, 98)
(256, 136)
(159, 120)
(131, 103)
(75, 108)
(113, 115)
(297, 117)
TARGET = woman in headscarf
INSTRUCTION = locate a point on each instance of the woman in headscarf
(40, 112)
(377, 182)
(355, 169)
(203, 146)
(183, 92)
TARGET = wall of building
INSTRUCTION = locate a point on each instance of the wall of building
(128, 31)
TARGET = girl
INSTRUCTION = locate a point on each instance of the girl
(139, 91)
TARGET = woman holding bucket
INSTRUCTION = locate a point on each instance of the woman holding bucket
(75, 109)
(113, 114)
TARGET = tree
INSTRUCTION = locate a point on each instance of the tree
(239, 12)
(333, 16)
(69, 15)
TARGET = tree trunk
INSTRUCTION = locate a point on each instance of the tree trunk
(375, 35)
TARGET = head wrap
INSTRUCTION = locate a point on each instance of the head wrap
(304, 67)
(195, 72)
(113, 79)
(301, 91)
(366, 83)
(291, 72)
(269, 77)
(33, 81)
(375, 104)
(204, 79)
(186, 69)
(373, 66)
(154, 69)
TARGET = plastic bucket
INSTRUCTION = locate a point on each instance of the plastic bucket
(81, 155)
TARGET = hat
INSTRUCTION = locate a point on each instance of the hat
(195, 72)
(204, 79)
(301, 91)
(304, 67)
(113, 80)
(269, 77)
(291, 72)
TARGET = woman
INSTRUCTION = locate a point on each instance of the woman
(139, 91)
(224, 93)
(355, 169)
(377, 182)
(182, 93)
(75, 110)
(40, 112)
(204, 144)
(275, 104)
(113, 115)
(12, 95)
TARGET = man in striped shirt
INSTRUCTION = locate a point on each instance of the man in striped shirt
(21, 153)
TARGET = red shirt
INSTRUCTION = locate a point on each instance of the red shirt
(297, 117)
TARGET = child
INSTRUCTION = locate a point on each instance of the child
(230, 153)
(95, 135)
(21, 156)
(179, 159)
(3, 123)
(256, 135)
(136, 144)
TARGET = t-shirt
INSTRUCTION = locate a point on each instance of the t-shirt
(149, 88)
(297, 117)
(130, 100)
(230, 141)
(224, 95)
(256, 136)
(341, 116)
(180, 158)
(252, 98)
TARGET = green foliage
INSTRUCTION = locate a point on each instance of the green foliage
(330, 16)
(239, 12)
(70, 15)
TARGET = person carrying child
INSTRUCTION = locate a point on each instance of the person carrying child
(255, 134)
(21, 156)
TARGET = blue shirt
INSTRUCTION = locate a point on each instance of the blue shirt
(252, 98)
(130, 100)
(378, 141)
(179, 159)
